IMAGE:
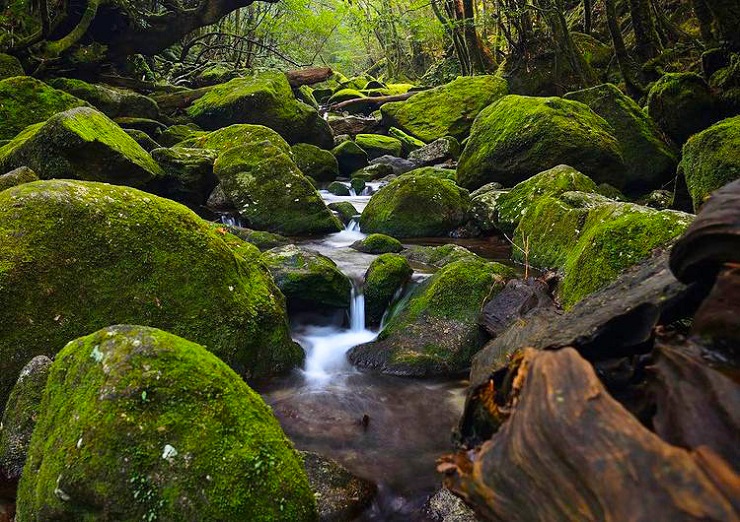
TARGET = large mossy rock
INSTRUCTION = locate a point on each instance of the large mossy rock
(448, 110)
(10, 67)
(177, 133)
(111, 101)
(649, 158)
(188, 175)
(270, 192)
(681, 104)
(386, 275)
(318, 163)
(377, 145)
(350, 157)
(416, 206)
(592, 239)
(76, 256)
(235, 136)
(436, 333)
(265, 99)
(307, 278)
(25, 101)
(17, 177)
(139, 424)
(711, 159)
(84, 144)
(519, 136)
(377, 244)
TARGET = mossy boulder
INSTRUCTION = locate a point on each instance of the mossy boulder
(650, 159)
(439, 256)
(305, 94)
(378, 244)
(592, 239)
(235, 136)
(408, 143)
(519, 136)
(318, 163)
(264, 99)
(372, 172)
(215, 75)
(111, 101)
(188, 175)
(17, 177)
(343, 95)
(76, 256)
(338, 188)
(437, 172)
(711, 159)
(152, 128)
(143, 139)
(377, 145)
(139, 424)
(10, 67)
(350, 157)
(436, 332)
(386, 276)
(260, 239)
(177, 133)
(448, 110)
(19, 419)
(345, 210)
(357, 184)
(681, 105)
(416, 206)
(84, 144)
(25, 101)
(308, 279)
(270, 192)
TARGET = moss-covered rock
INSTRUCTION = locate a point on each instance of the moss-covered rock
(260, 239)
(372, 172)
(270, 192)
(350, 157)
(345, 210)
(10, 67)
(179, 133)
(76, 256)
(386, 276)
(20, 415)
(152, 128)
(519, 136)
(448, 110)
(338, 188)
(188, 175)
(308, 279)
(215, 75)
(408, 143)
(111, 101)
(264, 99)
(592, 239)
(439, 256)
(17, 177)
(681, 105)
(138, 424)
(484, 209)
(143, 139)
(649, 158)
(235, 136)
(378, 244)
(436, 332)
(416, 206)
(437, 172)
(357, 184)
(711, 159)
(377, 145)
(318, 163)
(305, 94)
(84, 144)
(343, 95)
(25, 101)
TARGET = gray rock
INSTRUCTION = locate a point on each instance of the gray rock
(443, 506)
(17, 177)
(443, 150)
(399, 165)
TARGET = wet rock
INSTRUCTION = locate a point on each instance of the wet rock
(17, 177)
(346, 210)
(438, 172)
(516, 299)
(377, 145)
(484, 209)
(340, 495)
(440, 256)
(318, 163)
(353, 125)
(143, 139)
(338, 189)
(443, 506)
(177, 133)
(408, 143)
(387, 275)
(111, 101)
(188, 175)
(20, 416)
(378, 244)
(262, 240)
(358, 185)
(443, 150)
(350, 157)
(373, 172)
(124, 399)
(152, 128)
(681, 105)
(399, 165)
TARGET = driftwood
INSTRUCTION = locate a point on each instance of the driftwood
(516, 299)
(371, 103)
(566, 450)
(354, 125)
(308, 76)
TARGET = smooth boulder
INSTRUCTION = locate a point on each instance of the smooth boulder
(681, 104)
(385, 277)
(318, 163)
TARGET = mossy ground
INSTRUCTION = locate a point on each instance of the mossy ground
(138, 424)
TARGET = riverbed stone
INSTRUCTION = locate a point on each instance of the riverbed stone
(270, 192)
(416, 206)
(408, 143)
(519, 136)
(372, 172)
(378, 244)
(111, 101)
(143, 139)
(81, 143)
(236, 135)
(448, 110)
(399, 165)
(181, 132)
(345, 210)
(338, 189)
(386, 275)
(115, 437)
(17, 177)
(377, 145)
(350, 157)
(318, 163)
(438, 172)
(443, 150)
(681, 104)
(436, 332)
(439, 256)
(76, 256)
(188, 175)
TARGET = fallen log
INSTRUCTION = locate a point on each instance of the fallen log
(308, 76)
(370, 103)
(566, 450)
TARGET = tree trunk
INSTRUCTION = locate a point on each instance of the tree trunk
(704, 15)
(727, 19)
(646, 38)
(627, 65)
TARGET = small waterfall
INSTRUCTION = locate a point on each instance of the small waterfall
(352, 226)
(232, 221)
(357, 309)
(352, 192)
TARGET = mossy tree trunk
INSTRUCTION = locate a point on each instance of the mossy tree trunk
(647, 43)
(727, 19)
(627, 65)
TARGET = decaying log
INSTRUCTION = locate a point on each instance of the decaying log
(717, 322)
(354, 125)
(370, 103)
(569, 451)
(169, 103)
(516, 299)
(308, 76)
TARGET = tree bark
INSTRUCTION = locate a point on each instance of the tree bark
(727, 19)
(308, 76)
(627, 65)
(646, 37)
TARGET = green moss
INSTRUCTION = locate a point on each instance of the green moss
(305, 94)
(387, 274)
(372, 172)
(81, 143)
(262, 240)
(264, 99)
(408, 143)
(448, 110)
(346, 210)
(10, 67)
(681, 105)
(377, 145)
(235, 136)
(138, 424)
(519, 136)
(177, 133)
(436, 172)
(76, 256)
(307, 278)
(25, 101)
(416, 206)
(345, 95)
(111, 101)
(17, 177)
(649, 158)
(439, 256)
(214, 75)
(271, 193)
(188, 175)
(318, 163)
(143, 139)
(378, 244)
(350, 157)
(711, 159)
(338, 189)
